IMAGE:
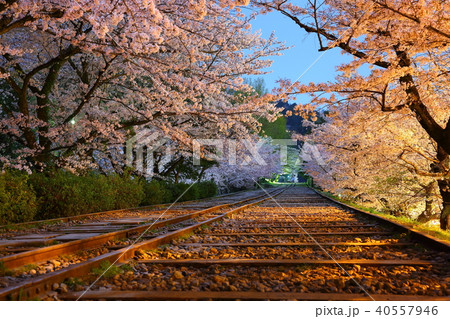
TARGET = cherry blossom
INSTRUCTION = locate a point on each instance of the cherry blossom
(400, 53)
(84, 76)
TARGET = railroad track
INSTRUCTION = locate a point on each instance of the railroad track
(24, 237)
(121, 213)
(301, 247)
(34, 261)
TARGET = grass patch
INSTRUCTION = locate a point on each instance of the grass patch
(29, 267)
(72, 282)
(51, 243)
(34, 299)
(126, 267)
(32, 225)
(186, 236)
(15, 228)
(106, 270)
(154, 250)
(5, 271)
(432, 230)
(9, 272)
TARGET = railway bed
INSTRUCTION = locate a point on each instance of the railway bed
(28, 236)
(25, 260)
(260, 249)
(317, 250)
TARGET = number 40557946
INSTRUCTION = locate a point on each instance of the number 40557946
(407, 310)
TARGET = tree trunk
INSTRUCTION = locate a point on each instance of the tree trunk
(43, 113)
(202, 171)
(428, 214)
(177, 177)
(444, 188)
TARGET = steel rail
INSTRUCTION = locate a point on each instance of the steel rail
(45, 253)
(242, 262)
(303, 234)
(239, 295)
(421, 237)
(39, 285)
(287, 244)
(284, 262)
(123, 210)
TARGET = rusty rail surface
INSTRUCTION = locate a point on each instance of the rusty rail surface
(209, 264)
(40, 285)
(123, 210)
(37, 286)
(433, 242)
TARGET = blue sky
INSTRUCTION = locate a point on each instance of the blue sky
(304, 52)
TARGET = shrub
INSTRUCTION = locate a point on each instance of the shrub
(60, 194)
(207, 189)
(63, 194)
(177, 190)
(98, 194)
(156, 192)
(17, 199)
(129, 190)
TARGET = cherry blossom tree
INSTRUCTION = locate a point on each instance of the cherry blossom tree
(83, 76)
(401, 53)
(380, 159)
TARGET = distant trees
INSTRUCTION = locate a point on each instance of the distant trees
(243, 169)
(400, 66)
(275, 129)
